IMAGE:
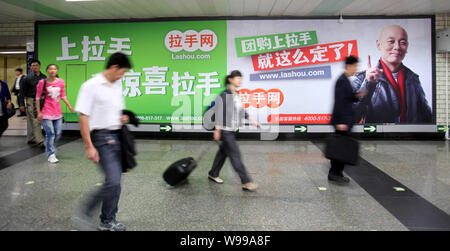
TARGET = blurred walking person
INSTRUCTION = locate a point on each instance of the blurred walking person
(343, 114)
(100, 104)
(229, 113)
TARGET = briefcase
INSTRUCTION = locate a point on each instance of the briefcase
(342, 148)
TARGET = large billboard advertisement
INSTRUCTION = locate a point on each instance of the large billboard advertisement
(289, 66)
(295, 83)
(178, 67)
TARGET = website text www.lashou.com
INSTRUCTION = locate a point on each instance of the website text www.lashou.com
(310, 73)
(292, 74)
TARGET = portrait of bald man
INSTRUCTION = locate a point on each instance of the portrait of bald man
(395, 93)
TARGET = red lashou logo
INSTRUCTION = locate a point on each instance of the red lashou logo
(191, 40)
(259, 98)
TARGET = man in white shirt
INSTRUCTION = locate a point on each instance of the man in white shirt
(100, 104)
(16, 90)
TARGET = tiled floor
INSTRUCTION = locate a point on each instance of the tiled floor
(36, 195)
(17, 126)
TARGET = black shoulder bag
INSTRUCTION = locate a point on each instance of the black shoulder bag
(42, 99)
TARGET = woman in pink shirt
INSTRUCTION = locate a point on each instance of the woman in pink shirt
(51, 113)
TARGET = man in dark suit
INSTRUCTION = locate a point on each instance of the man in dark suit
(28, 92)
(343, 115)
(16, 91)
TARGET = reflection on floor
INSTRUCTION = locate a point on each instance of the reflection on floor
(294, 192)
(17, 126)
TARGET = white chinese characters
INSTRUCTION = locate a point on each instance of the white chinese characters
(156, 82)
(92, 49)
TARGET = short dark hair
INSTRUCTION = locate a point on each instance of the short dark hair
(351, 60)
(119, 59)
(35, 61)
(233, 74)
(19, 70)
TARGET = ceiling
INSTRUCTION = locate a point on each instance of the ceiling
(29, 10)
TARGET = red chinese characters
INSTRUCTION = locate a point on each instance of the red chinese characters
(207, 40)
(175, 41)
(191, 40)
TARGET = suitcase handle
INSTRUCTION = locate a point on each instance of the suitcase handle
(202, 154)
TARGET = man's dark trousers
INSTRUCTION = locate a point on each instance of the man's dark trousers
(229, 148)
(337, 167)
(107, 144)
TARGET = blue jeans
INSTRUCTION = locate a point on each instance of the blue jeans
(52, 130)
(107, 144)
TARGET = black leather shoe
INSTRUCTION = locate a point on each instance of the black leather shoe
(338, 178)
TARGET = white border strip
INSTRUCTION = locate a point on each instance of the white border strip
(274, 129)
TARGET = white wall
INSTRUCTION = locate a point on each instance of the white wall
(441, 108)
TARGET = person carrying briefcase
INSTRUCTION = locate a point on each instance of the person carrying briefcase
(341, 148)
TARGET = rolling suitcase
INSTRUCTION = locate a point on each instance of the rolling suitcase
(180, 170)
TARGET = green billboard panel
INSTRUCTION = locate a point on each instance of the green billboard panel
(246, 46)
(178, 67)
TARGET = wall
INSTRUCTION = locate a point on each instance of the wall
(14, 36)
(17, 29)
(441, 118)
(27, 29)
